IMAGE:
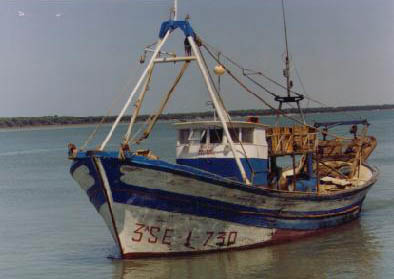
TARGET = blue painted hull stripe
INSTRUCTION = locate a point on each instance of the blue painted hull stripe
(124, 192)
(149, 200)
(96, 196)
(95, 193)
(177, 203)
(114, 176)
(227, 167)
(186, 171)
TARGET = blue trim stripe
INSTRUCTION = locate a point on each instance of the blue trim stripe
(95, 193)
(156, 199)
(96, 196)
(225, 211)
(227, 167)
(125, 192)
(217, 180)
(203, 207)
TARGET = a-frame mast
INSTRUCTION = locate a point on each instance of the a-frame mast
(166, 28)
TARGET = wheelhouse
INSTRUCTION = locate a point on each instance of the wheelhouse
(204, 145)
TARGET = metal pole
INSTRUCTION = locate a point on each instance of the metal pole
(158, 47)
(278, 114)
(294, 172)
(287, 52)
(301, 112)
(175, 9)
(220, 110)
(318, 169)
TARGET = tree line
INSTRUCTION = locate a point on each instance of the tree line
(55, 120)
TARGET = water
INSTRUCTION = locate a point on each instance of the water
(50, 230)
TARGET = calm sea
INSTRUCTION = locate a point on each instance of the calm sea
(50, 230)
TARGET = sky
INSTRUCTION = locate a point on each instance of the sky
(81, 57)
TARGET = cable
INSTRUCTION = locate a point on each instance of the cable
(114, 102)
(279, 112)
(228, 117)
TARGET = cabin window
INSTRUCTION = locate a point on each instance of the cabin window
(215, 135)
(198, 135)
(234, 133)
(247, 135)
(203, 138)
(184, 136)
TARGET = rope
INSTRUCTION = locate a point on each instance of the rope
(133, 139)
(153, 118)
(248, 72)
(104, 118)
(244, 86)
(259, 85)
(228, 116)
(213, 84)
(302, 85)
(261, 99)
(138, 104)
(118, 118)
(251, 72)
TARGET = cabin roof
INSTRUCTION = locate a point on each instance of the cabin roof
(204, 124)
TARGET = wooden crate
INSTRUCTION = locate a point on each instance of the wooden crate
(290, 140)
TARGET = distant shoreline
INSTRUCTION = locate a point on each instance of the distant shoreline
(55, 120)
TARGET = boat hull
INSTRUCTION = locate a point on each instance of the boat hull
(154, 208)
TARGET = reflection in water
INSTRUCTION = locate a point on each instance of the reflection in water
(348, 251)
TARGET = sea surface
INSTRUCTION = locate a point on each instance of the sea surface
(49, 229)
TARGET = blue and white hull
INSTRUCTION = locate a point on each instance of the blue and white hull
(156, 208)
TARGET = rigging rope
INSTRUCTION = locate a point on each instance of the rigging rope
(228, 116)
(214, 86)
(138, 105)
(105, 117)
(133, 139)
(248, 72)
(261, 99)
(153, 118)
(259, 85)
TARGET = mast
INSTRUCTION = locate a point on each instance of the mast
(165, 31)
(287, 62)
(175, 9)
(289, 83)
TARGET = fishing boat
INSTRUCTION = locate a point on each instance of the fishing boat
(228, 188)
